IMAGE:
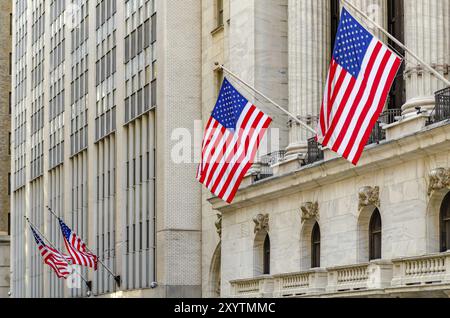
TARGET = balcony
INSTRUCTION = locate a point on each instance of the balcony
(373, 276)
(386, 118)
(262, 169)
(427, 270)
(381, 278)
(313, 282)
(315, 152)
(259, 287)
(442, 110)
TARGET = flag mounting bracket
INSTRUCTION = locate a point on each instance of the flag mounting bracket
(118, 280)
(294, 118)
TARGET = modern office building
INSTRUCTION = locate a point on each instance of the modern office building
(306, 223)
(98, 87)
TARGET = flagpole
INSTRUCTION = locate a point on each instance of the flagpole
(116, 277)
(295, 118)
(88, 285)
(415, 56)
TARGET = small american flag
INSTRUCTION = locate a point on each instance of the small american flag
(77, 248)
(232, 138)
(56, 260)
(361, 74)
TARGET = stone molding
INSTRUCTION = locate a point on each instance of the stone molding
(369, 196)
(439, 180)
(310, 210)
(261, 223)
(218, 225)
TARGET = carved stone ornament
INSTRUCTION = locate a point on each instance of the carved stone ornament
(219, 224)
(310, 210)
(261, 222)
(369, 196)
(439, 180)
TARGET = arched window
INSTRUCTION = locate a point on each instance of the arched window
(315, 246)
(266, 260)
(375, 229)
(445, 224)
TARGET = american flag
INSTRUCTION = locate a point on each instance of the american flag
(77, 248)
(56, 260)
(232, 138)
(360, 77)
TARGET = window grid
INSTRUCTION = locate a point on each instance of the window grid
(20, 89)
(106, 66)
(37, 90)
(140, 59)
(79, 81)
(140, 204)
(57, 83)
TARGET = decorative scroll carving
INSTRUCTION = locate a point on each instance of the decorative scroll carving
(261, 222)
(310, 210)
(219, 225)
(439, 179)
(369, 196)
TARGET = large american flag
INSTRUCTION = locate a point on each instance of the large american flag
(56, 260)
(360, 77)
(77, 248)
(232, 138)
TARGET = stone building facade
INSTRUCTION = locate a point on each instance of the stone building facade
(316, 226)
(99, 87)
(5, 138)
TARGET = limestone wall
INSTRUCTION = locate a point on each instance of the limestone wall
(4, 265)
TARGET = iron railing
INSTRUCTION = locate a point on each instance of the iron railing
(315, 153)
(386, 118)
(441, 111)
(267, 162)
(389, 116)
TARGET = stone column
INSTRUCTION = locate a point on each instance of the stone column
(427, 27)
(309, 58)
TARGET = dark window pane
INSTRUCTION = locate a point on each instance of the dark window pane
(315, 246)
(445, 224)
(375, 236)
(267, 255)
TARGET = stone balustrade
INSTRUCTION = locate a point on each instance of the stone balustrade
(258, 287)
(348, 278)
(376, 276)
(372, 276)
(425, 270)
(300, 284)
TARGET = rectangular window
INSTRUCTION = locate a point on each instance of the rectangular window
(147, 34)
(127, 49)
(153, 95)
(153, 28)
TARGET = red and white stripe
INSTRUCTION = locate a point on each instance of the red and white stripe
(227, 156)
(351, 106)
(57, 261)
(78, 251)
